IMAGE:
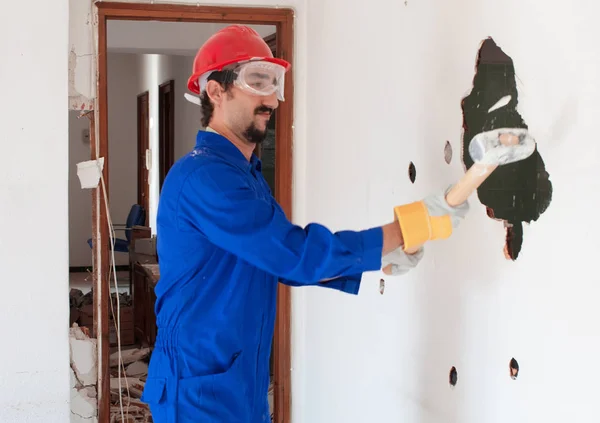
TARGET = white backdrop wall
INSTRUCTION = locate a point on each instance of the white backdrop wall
(34, 212)
(401, 79)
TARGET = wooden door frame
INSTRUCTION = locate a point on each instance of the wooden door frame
(166, 153)
(283, 20)
(140, 188)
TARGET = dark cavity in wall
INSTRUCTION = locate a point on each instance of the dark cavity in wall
(514, 368)
(448, 152)
(517, 192)
(412, 172)
(453, 376)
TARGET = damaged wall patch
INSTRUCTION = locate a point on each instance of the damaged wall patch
(517, 192)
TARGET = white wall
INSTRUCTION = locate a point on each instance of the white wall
(34, 214)
(386, 358)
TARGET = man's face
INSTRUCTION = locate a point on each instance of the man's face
(248, 114)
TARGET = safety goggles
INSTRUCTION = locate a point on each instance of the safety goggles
(255, 77)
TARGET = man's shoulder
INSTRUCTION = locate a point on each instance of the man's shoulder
(203, 168)
(201, 159)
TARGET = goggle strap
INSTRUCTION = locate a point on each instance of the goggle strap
(224, 77)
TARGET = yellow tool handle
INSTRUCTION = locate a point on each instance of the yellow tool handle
(463, 189)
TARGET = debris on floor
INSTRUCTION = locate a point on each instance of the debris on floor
(82, 313)
(127, 390)
(127, 375)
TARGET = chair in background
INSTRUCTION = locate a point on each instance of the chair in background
(136, 217)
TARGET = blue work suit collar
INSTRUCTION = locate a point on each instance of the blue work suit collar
(224, 148)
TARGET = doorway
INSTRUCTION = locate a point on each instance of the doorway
(166, 125)
(143, 151)
(282, 20)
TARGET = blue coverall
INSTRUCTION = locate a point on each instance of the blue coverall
(223, 245)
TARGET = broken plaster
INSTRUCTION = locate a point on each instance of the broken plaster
(82, 55)
(77, 101)
(84, 375)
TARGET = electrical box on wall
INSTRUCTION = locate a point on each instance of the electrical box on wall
(85, 136)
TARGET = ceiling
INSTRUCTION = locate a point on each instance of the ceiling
(172, 38)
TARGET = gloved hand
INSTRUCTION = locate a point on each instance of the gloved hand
(429, 219)
(400, 262)
(437, 206)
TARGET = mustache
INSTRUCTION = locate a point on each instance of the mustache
(263, 109)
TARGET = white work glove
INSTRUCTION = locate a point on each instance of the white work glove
(401, 262)
(437, 206)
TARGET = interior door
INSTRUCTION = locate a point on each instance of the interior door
(166, 125)
(143, 151)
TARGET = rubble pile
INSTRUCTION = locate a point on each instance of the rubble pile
(128, 390)
(82, 313)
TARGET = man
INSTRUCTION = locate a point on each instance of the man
(224, 244)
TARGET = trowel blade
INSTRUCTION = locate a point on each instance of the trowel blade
(486, 147)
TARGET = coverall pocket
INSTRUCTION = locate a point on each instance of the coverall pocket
(217, 397)
(155, 395)
(154, 390)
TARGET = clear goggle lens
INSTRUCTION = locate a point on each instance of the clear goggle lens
(260, 78)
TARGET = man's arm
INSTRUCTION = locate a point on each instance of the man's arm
(350, 284)
(392, 238)
(217, 202)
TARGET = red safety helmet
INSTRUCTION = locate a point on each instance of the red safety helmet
(235, 43)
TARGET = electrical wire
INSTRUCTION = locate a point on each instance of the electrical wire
(117, 318)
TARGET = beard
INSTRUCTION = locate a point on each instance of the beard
(252, 133)
(255, 135)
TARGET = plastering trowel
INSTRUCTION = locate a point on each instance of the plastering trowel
(488, 150)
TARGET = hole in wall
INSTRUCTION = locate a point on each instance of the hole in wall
(412, 172)
(448, 152)
(514, 368)
(453, 377)
(381, 286)
(514, 241)
(517, 192)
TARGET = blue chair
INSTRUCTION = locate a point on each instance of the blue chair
(136, 217)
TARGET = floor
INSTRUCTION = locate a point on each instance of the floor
(83, 281)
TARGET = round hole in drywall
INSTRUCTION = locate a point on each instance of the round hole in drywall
(514, 368)
(453, 377)
(448, 152)
(412, 172)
